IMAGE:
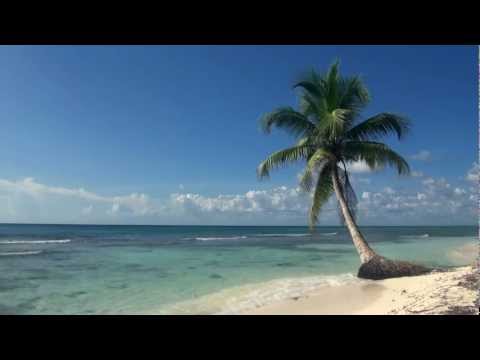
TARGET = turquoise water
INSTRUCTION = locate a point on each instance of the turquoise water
(70, 269)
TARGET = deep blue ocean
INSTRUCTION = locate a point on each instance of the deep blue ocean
(83, 269)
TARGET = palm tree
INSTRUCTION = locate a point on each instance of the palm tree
(329, 136)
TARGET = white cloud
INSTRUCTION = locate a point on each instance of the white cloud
(474, 173)
(275, 200)
(422, 155)
(41, 194)
(281, 205)
(358, 167)
(437, 202)
(421, 196)
(87, 210)
(416, 174)
(431, 201)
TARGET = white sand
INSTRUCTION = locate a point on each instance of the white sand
(434, 293)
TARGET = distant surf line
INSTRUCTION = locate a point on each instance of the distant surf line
(60, 241)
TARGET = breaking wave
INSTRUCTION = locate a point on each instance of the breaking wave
(20, 253)
(281, 235)
(423, 236)
(220, 238)
(60, 241)
(239, 299)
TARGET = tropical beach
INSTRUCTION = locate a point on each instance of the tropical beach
(91, 269)
(454, 292)
(192, 180)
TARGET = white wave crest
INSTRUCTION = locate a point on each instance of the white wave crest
(281, 235)
(220, 238)
(329, 234)
(242, 298)
(423, 236)
(60, 241)
(20, 253)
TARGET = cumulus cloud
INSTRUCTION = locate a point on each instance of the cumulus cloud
(429, 201)
(281, 205)
(422, 155)
(87, 210)
(275, 200)
(437, 201)
(358, 167)
(474, 173)
(416, 173)
(135, 204)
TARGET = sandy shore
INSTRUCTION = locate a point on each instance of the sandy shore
(451, 292)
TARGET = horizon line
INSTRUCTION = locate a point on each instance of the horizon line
(165, 225)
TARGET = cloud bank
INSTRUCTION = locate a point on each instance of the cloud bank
(428, 201)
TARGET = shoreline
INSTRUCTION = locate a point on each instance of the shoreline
(454, 291)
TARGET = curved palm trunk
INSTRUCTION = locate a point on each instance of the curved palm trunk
(374, 267)
(364, 250)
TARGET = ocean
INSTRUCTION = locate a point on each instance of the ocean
(93, 269)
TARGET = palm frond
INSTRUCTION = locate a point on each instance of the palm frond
(288, 119)
(354, 94)
(323, 191)
(282, 158)
(376, 155)
(314, 164)
(333, 124)
(311, 83)
(332, 79)
(378, 126)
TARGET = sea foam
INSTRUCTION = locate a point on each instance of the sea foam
(281, 235)
(20, 253)
(220, 238)
(423, 236)
(60, 241)
(238, 299)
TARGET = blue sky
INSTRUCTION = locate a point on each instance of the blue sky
(169, 134)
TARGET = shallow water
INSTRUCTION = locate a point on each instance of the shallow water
(69, 269)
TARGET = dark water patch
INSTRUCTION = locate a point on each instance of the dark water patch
(58, 256)
(117, 286)
(75, 294)
(37, 277)
(78, 267)
(151, 269)
(316, 258)
(285, 264)
(132, 266)
(25, 307)
(8, 284)
(16, 283)
(216, 276)
(43, 274)
(82, 267)
(8, 310)
(212, 263)
(191, 267)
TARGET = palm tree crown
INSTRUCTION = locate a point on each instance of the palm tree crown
(330, 135)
